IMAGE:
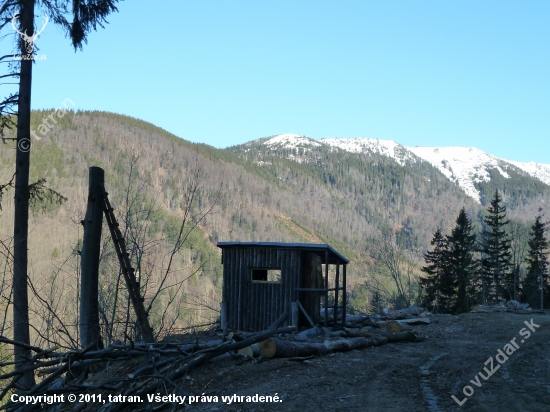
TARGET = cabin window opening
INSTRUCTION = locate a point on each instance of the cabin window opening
(266, 275)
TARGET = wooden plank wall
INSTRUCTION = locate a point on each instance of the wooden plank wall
(254, 306)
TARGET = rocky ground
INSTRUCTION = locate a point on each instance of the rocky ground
(420, 376)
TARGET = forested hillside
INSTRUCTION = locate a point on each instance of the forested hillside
(245, 193)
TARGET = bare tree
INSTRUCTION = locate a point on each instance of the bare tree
(519, 248)
(157, 259)
(397, 279)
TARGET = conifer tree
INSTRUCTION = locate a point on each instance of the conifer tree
(434, 296)
(461, 263)
(536, 286)
(497, 269)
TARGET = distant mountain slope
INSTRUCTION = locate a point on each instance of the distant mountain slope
(362, 190)
(477, 173)
(278, 188)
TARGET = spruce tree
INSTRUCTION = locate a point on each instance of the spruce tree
(536, 286)
(461, 264)
(435, 270)
(497, 269)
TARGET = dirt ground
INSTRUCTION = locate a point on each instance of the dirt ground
(419, 376)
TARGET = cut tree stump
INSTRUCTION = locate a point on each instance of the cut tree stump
(268, 348)
(394, 326)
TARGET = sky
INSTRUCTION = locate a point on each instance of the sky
(422, 73)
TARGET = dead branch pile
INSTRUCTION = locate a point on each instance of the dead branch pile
(162, 363)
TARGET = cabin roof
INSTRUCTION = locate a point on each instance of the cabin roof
(333, 256)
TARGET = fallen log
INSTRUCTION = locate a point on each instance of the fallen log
(402, 337)
(359, 333)
(239, 337)
(360, 320)
(406, 336)
(252, 351)
(288, 349)
(415, 321)
(356, 318)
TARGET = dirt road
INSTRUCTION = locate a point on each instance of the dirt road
(407, 377)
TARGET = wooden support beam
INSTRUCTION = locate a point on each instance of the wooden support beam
(128, 272)
(317, 289)
(306, 314)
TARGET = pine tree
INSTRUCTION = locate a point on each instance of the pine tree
(536, 286)
(461, 263)
(497, 269)
(435, 270)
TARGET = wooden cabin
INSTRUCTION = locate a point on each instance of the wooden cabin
(263, 279)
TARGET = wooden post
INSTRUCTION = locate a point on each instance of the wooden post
(223, 318)
(295, 314)
(326, 288)
(336, 286)
(89, 311)
(344, 296)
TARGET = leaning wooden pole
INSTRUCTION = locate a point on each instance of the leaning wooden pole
(89, 310)
(128, 272)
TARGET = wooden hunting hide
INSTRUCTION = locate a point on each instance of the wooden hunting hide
(262, 279)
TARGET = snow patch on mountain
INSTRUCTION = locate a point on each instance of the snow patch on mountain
(291, 141)
(463, 165)
(387, 148)
(538, 170)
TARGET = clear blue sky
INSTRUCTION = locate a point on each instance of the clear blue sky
(422, 73)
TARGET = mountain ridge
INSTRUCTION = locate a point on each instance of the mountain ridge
(466, 166)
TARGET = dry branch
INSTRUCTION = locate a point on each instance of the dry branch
(199, 360)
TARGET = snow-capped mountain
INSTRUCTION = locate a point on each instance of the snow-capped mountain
(463, 165)
(387, 148)
(466, 166)
(290, 141)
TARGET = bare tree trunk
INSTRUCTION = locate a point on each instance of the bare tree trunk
(21, 215)
(91, 248)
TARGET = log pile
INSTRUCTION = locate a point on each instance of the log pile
(512, 306)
